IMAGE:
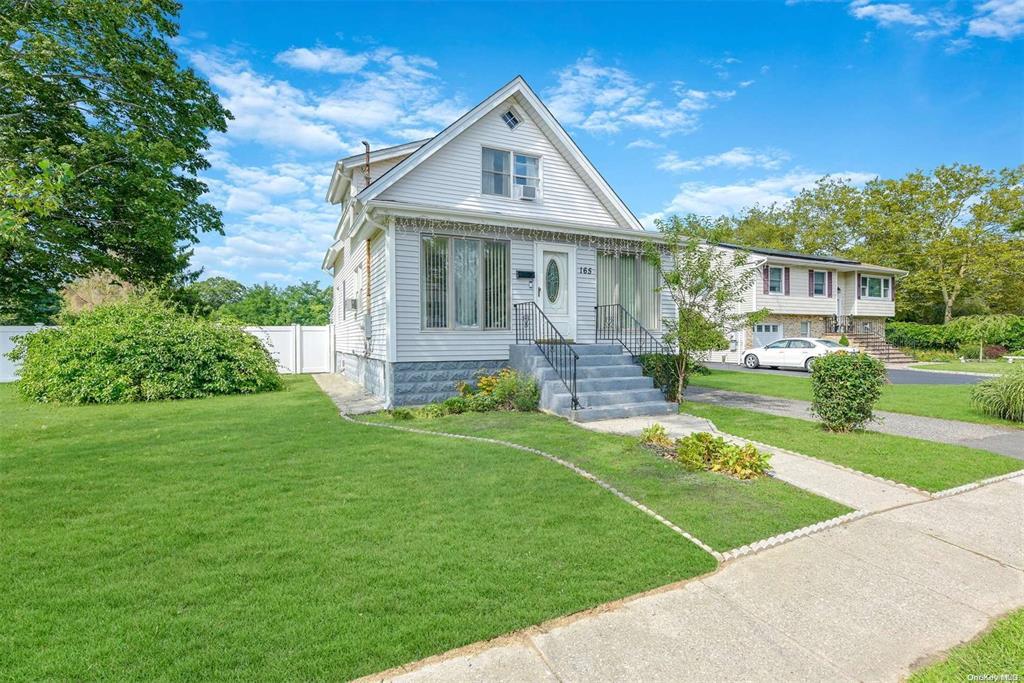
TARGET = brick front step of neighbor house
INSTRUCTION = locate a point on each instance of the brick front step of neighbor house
(877, 347)
(608, 383)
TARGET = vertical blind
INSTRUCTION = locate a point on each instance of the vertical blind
(631, 281)
(465, 282)
(435, 281)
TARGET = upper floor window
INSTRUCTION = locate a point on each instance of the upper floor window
(775, 285)
(496, 172)
(872, 287)
(818, 285)
(510, 174)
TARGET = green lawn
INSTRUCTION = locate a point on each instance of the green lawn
(989, 367)
(924, 464)
(263, 538)
(999, 651)
(947, 401)
(723, 512)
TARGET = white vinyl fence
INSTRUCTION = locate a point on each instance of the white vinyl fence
(295, 348)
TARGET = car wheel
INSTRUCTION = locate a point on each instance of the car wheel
(809, 364)
(751, 361)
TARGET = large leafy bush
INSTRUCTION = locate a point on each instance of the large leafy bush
(846, 387)
(1002, 396)
(919, 336)
(141, 349)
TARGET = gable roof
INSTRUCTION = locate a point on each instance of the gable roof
(544, 119)
(340, 180)
(841, 263)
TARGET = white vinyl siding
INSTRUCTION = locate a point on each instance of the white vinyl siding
(416, 343)
(350, 281)
(451, 177)
(799, 300)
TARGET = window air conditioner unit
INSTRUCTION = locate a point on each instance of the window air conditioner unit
(527, 193)
(351, 305)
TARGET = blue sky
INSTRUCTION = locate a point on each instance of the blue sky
(703, 107)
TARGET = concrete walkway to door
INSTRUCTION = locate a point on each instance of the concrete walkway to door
(868, 600)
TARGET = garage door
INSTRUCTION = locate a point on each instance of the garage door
(766, 334)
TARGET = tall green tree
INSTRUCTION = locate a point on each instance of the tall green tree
(216, 292)
(93, 89)
(306, 303)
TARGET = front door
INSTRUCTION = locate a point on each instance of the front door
(555, 287)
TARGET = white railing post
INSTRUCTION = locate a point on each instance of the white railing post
(297, 349)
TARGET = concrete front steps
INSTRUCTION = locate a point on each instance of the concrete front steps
(608, 383)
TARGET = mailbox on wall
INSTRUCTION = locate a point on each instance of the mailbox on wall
(524, 274)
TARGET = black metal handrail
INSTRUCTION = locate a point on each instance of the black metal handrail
(838, 325)
(532, 326)
(613, 322)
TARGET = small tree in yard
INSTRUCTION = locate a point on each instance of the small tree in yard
(981, 329)
(706, 284)
(845, 388)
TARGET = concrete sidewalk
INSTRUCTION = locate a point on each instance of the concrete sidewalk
(868, 600)
(1003, 440)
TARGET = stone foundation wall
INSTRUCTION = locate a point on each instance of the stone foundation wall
(433, 381)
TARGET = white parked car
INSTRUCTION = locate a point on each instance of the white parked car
(798, 352)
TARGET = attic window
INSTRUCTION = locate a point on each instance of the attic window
(510, 119)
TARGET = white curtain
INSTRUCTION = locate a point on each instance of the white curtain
(435, 282)
(496, 284)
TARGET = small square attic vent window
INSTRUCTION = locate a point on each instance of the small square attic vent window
(510, 119)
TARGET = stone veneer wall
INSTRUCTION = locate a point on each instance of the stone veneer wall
(433, 381)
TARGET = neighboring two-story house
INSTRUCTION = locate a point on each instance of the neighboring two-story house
(814, 296)
(498, 238)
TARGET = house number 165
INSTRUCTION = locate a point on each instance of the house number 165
(586, 270)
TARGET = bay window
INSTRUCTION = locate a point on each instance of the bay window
(465, 283)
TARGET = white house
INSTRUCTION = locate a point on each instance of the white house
(497, 242)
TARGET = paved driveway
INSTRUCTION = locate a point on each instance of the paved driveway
(896, 375)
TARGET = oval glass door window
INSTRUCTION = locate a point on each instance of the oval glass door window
(553, 280)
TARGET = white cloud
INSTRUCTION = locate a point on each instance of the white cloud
(718, 200)
(607, 99)
(998, 19)
(746, 84)
(266, 110)
(888, 14)
(737, 157)
(644, 143)
(330, 59)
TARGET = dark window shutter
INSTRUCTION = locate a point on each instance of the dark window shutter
(830, 284)
(764, 278)
(860, 281)
(810, 283)
(892, 289)
(785, 277)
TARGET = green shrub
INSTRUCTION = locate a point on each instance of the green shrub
(505, 390)
(704, 451)
(844, 341)
(919, 336)
(845, 388)
(664, 370)
(141, 349)
(401, 414)
(927, 356)
(1002, 396)
(655, 436)
(989, 352)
